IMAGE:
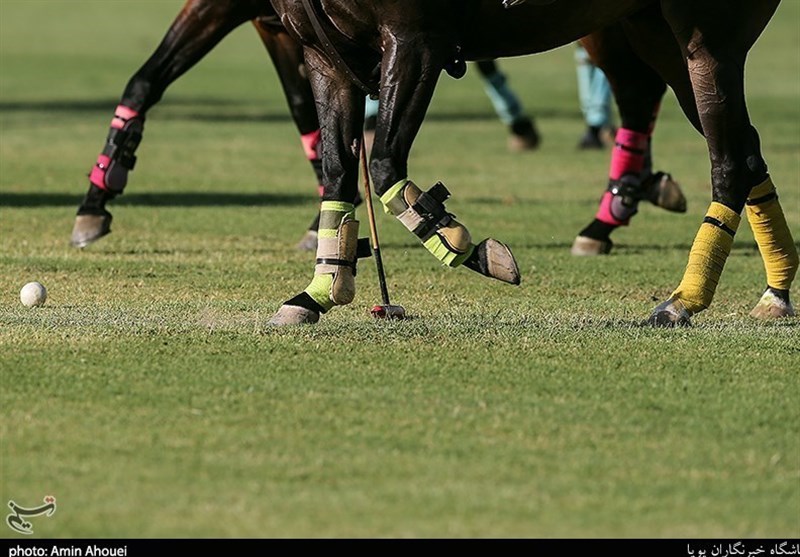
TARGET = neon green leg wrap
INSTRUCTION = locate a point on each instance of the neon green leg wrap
(334, 284)
(710, 250)
(772, 235)
(447, 239)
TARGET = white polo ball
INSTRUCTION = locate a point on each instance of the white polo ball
(33, 294)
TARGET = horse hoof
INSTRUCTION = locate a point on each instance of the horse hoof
(584, 246)
(293, 315)
(90, 228)
(772, 306)
(494, 259)
(671, 313)
(308, 242)
(665, 192)
(523, 137)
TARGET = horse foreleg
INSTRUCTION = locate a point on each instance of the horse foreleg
(638, 91)
(715, 49)
(410, 69)
(340, 106)
(287, 56)
(200, 25)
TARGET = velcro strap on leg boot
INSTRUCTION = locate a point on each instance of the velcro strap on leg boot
(621, 201)
(118, 157)
(424, 214)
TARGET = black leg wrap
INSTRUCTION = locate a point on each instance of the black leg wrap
(363, 249)
(94, 203)
(314, 224)
(598, 230)
(303, 300)
(628, 187)
(477, 262)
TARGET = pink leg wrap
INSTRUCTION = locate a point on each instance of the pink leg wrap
(311, 144)
(121, 116)
(628, 154)
(604, 213)
(98, 176)
(627, 159)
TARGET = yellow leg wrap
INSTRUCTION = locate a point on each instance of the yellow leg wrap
(440, 251)
(391, 193)
(710, 249)
(772, 235)
(332, 213)
(451, 244)
(320, 290)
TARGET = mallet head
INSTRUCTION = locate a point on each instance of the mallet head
(388, 312)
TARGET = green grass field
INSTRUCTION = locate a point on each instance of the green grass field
(150, 398)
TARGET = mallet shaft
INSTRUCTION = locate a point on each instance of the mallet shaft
(372, 227)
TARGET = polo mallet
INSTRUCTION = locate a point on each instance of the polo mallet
(385, 310)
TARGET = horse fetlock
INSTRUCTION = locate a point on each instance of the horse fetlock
(621, 200)
(663, 191)
(494, 259)
(334, 275)
(424, 214)
(774, 304)
(110, 172)
(671, 313)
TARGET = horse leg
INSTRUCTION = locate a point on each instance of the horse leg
(199, 26)
(287, 56)
(715, 40)
(409, 71)
(638, 90)
(340, 106)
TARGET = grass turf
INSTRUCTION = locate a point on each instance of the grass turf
(148, 396)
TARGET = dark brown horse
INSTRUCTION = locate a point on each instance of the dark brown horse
(398, 48)
(201, 24)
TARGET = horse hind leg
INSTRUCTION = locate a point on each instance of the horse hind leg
(638, 91)
(199, 26)
(739, 173)
(771, 232)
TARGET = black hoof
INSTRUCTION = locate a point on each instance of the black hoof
(494, 259)
(662, 191)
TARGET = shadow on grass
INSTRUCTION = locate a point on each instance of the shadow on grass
(93, 105)
(236, 111)
(185, 199)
